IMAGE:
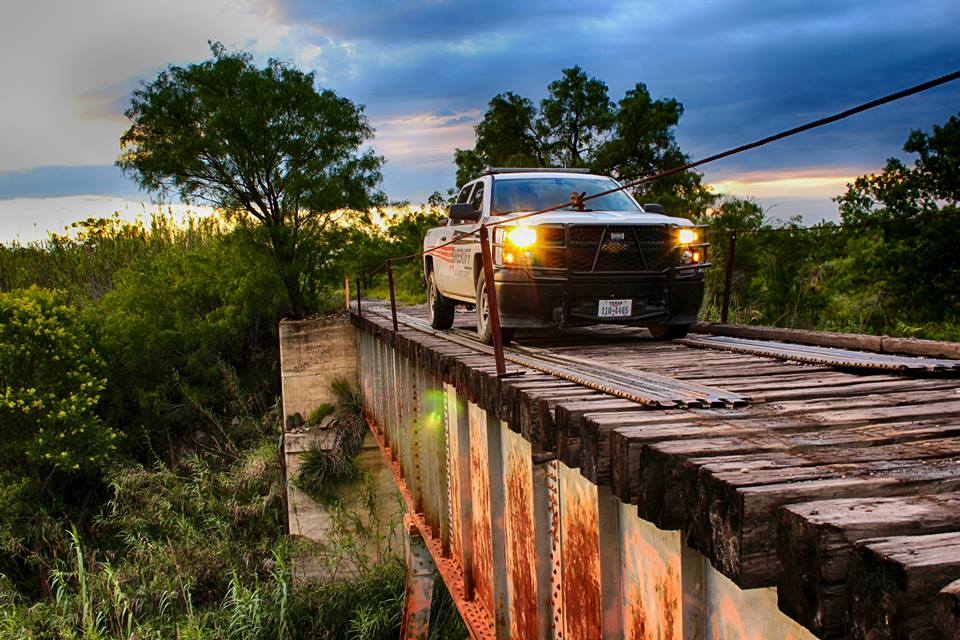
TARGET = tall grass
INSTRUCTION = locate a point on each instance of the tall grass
(85, 260)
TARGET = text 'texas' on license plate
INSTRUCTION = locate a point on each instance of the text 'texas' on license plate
(615, 309)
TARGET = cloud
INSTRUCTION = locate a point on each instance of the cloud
(425, 139)
(399, 22)
(742, 70)
(807, 193)
(59, 181)
(68, 65)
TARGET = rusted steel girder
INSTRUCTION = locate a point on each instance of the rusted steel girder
(407, 419)
(474, 617)
(421, 573)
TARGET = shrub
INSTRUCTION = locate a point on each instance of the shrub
(51, 379)
(325, 466)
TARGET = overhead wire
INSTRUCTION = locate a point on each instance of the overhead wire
(860, 108)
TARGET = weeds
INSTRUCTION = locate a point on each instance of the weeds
(329, 464)
(322, 411)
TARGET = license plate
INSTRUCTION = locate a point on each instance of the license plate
(615, 309)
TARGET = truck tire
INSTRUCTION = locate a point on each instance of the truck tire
(669, 331)
(484, 330)
(439, 307)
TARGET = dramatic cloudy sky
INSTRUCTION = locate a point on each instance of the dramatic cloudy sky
(426, 68)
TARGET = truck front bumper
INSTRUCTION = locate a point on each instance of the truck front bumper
(530, 300)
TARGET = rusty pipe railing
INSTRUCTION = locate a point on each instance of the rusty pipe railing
(728, 275)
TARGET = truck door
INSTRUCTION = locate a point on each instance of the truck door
(443, 258)
(461, 281)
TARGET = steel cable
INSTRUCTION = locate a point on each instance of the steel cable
(898, 95)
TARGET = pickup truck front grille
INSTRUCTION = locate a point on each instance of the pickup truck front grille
(550, 249)
(618, 248)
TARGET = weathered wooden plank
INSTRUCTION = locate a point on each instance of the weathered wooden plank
(596, 450)
(917, 347)
(893, 582)
(900, 387)
(669, 485)
(537, 411)
(734, 525)
(814, 541)
(625, 455)
(567, 418)
(946, 611)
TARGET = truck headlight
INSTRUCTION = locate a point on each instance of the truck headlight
(522, 237)
(688, 236)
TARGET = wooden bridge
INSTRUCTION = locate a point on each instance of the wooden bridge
(743, 483)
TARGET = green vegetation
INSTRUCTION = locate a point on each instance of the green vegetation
(142, 492)
(323, 469)
(888, 268)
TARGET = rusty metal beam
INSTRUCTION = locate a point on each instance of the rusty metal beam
(461, 497)
(478, 622)
(421, 574)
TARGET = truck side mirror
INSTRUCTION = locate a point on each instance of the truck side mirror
(463, 212)
(653, 207)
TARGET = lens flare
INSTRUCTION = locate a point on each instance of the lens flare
(687, 236)
(522, 237)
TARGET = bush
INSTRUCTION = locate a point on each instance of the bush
(327, 466)
(51, 379)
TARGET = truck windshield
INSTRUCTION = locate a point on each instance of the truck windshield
(532, 194)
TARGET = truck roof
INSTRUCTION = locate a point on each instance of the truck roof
(503, 171)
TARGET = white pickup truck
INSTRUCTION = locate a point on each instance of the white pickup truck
(607, 260)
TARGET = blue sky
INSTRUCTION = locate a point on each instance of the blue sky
(426, 68)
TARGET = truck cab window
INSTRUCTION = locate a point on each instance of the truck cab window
(464, 194)
(477, 198)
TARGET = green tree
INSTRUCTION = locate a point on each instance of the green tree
(915, 209)
(506, 136)
(643, 144)
(930, 185)
(51, 380)
(171, 327)
(260, 142)
(577, 125)
(575, 117)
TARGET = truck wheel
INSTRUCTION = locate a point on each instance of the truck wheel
(439, 307)
(669, 331)
(484, 330)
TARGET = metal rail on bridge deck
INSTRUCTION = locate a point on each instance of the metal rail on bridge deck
(643, 387)
(832, 356)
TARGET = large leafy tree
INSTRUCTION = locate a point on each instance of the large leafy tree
(506, 137)
(930, 185)
(575, 117)
(642, 144)
(912, 214)
(577, 125)
(263, 143)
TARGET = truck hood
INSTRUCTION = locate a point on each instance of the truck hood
(593, 217)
